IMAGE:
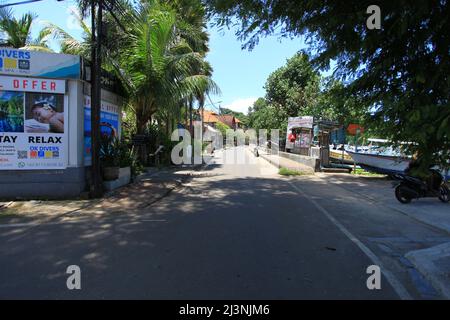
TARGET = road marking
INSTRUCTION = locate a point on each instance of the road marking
(393, 281)
(17, 225)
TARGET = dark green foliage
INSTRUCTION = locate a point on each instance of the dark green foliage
(109, 151)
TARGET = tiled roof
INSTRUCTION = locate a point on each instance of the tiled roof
(210, 117)
(227, 119)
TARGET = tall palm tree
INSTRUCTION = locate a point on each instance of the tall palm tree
(160, 59)
(159, 66)
(68, 43)
(16, 32)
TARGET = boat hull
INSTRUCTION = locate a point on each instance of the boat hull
(380, 163)
(337, 156)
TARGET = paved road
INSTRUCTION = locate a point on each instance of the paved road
(237, 231)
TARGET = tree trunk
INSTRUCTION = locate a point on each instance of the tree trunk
(141, 124)
(202, 114)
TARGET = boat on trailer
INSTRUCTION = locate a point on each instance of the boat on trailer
(380, 163)
(385, 160)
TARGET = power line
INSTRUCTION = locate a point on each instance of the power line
(20, 2)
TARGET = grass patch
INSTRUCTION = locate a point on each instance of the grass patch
(290, 172)
(362, 172)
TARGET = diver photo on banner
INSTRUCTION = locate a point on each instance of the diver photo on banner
(109, 124)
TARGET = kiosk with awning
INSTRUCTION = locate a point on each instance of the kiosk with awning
(307, 136)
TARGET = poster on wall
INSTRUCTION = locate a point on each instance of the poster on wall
(39, 64)
(32, 134)
(109, 124)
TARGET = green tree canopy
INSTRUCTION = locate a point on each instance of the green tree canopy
(294, 87)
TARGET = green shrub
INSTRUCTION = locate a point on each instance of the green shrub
(109, 151)
(290, 172)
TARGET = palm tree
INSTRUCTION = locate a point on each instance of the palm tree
(160, 60)
(159, 67)
(16, 33)
(68, 43)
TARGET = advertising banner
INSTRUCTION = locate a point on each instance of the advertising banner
(109, 124)
(39, 64)
(32, 84)
(295, 123)
(32, 130)
(300, 122)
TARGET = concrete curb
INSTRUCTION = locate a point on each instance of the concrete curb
(425, 260)
(300, 166)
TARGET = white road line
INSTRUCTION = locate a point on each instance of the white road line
(393, 281)
(18, 225)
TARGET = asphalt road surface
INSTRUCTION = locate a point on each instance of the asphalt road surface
(237, 231)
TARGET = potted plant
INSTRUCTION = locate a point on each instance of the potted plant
(126, 158)
(109, 157)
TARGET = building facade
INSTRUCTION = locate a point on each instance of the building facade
(45, 124)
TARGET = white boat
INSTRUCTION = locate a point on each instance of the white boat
(380, 163)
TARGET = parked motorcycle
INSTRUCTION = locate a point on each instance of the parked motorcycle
(409, 187)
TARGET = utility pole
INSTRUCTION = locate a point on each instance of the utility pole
(96, 186)
(191, 130)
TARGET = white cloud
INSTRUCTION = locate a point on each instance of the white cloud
(241, 105)
(71, 22)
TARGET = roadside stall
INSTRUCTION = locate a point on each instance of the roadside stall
(45, 123)
(299, 135)
(310, 137)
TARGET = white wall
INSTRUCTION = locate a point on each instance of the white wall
(75, 123)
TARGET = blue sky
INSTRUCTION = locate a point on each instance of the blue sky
(240, 74)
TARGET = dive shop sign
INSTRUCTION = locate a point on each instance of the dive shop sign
(39, 64)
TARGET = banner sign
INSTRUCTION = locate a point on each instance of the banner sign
(32, 124)
(109, 124)
(39, 64)
(32, 84)
(300, 122)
